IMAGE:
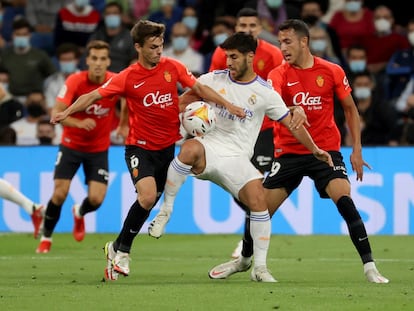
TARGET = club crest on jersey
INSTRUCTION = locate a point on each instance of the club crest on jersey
(167, 76)
(320, 81)
(260, 64)
(252, 99)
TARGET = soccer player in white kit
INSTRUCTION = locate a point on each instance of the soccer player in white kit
(223, 155)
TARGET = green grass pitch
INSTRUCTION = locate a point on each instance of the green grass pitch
(315, 273)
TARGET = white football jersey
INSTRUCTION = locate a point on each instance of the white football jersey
(232, 135)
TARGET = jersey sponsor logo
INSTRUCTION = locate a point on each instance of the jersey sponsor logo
(138, 85)
(97, 110)
(320, 81)
(292, 83)
(303, 98)
(158, 99)
(345, 82)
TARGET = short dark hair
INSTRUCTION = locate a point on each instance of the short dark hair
(298, 25)
(97, 45)
(247, 12)
(20, 22)
(145, 29)
(242, 42)
(68, 47)
(116, 4)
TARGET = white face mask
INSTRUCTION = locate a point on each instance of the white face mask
(362, 92)
(411, 37)
(382, 25)
(318, 45)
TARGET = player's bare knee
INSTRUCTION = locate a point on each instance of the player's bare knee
(147, 200)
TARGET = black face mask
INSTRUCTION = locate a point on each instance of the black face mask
(311, 20)
(45, 140)
(35, 110)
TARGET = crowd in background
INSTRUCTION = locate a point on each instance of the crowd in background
(43, 41)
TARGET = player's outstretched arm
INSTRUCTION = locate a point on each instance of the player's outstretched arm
(209, 94)
(303, 136)
(80, 104)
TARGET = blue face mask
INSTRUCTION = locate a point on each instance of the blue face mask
(67, 67)
(112, 21)
(5, 86)
(180, 43)
(318, 45)
(220, 38)
(21, 42)
(357, 65)
(362, 92)
(274, 4)
(190, 21)
(353, 6)
(81, 3)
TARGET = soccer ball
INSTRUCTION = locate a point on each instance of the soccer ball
(198, 118)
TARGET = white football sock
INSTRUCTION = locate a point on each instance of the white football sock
(176, 176)
(260, 229)
(8, 192)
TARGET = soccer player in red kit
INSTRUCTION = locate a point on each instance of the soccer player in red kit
(85, 140)
(311, 82)
(151, 94)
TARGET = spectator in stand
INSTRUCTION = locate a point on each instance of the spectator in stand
(353, 24)
(180, 49)
(405, 106)
(321, 45)
(378, 118)
(28, 66)
(356, 59)
(75, 23)
(385, 42)
(117, 36)
(10, 109)
(168, 14)
(68, 56)
(311, 13)
(271, 14)
(45, 132)
(222, 29)
(26, 127)
(401, 66)
(198, 34)
(41, 14)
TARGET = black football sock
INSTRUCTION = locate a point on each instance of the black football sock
(247, 250)
(52, 215)
(87, 207)
(132, 225)
(356, 227)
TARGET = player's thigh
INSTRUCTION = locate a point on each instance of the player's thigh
(274, 198)
(252, 195)
(192, 152)
(337, 188)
